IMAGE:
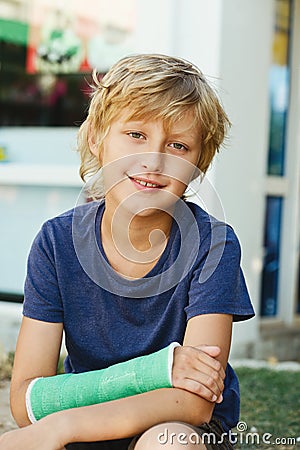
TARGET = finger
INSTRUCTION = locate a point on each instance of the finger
(191, 363)
(212, 350)
(197, 388)
(198, 351)
(210, 374)
(219, 399)
(191, 357)
(211, 362)
(210, 381)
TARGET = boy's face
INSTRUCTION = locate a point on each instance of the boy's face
(147, 165)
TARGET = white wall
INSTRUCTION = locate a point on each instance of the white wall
(247, 32)
(40, 145)
(34, 185)
(187, 28)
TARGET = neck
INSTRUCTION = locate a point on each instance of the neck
(136, 237)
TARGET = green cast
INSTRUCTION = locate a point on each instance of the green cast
(142, 374)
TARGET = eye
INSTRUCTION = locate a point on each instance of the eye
(136, 135)
(178, 146)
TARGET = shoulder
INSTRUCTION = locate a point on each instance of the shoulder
(80, 211)
(212, 229)
(59, 231)
(68, 219)
(203, 218)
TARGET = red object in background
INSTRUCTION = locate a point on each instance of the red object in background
(30, 60)
(85, 67)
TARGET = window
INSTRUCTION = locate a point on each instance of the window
(279, 88)
(272, 254)
(279, 107)
(38, 99)
(47, 52)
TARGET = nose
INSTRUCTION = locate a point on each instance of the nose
(152, 161)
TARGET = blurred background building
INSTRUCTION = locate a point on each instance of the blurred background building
(249, 50)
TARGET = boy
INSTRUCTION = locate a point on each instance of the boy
(139, 277)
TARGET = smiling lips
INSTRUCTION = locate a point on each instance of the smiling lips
(145, 184)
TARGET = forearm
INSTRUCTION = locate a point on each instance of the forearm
(129, 416)
(17, 402)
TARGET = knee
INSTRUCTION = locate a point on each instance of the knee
(170, 435)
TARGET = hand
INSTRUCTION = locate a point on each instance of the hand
(196, 370)
(32, 437)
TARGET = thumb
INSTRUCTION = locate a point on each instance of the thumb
(211, 350)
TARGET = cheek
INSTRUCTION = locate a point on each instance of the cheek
(183, 178)
(178, 188)
(112, 150)
(114, 170)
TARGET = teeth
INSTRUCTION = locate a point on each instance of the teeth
(146, 184)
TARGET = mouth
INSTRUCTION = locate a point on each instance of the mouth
(143, 183)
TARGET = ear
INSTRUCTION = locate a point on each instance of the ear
(94, 147)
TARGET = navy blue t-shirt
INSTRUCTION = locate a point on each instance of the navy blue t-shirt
(107, 318)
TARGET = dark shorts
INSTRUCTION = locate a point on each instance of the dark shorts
(212, 435)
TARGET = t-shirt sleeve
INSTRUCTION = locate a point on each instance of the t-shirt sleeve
(218, 285)
(42, 300)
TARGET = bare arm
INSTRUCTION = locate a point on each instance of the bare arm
(112, 420)
(37, 354)
(211, 329)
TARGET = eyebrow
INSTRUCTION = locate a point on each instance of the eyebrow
(176, 134)
(134, 122)
(186, 134)
(144, 122)
(186, 131)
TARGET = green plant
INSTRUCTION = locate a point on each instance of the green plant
(270, 404)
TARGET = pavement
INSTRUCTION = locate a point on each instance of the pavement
(271, 363)
(6, 420)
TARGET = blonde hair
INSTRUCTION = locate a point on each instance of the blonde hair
(153, 86)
